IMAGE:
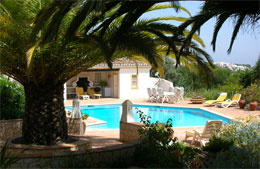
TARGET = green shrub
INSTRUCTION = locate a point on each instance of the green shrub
(231, 88)
(217, 144)
(209, 94)
(237, 144)
(221, 76)
(256, 72)
(244, 132)
(251, 93)
(85, 116)
(12, 99)
(245, 77)
(235, 157)
(158, 149)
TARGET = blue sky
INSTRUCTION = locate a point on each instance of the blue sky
(246, 48)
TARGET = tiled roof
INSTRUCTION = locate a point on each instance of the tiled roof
(123, 62)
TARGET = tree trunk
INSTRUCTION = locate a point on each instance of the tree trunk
(44, 120)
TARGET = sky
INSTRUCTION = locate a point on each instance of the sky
(246, 48)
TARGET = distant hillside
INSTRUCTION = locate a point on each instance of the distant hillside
(233, 67)
(246, 65)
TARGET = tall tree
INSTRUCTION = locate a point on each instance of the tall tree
(65, 38)
(43, 69)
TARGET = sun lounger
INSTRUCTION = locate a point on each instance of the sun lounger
(92, 93)
(227, 103)
(220, 98)
(81, 94)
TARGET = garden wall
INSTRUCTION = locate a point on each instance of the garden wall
(10, 128)
(129, 131)
(114, 156)
(13, 128)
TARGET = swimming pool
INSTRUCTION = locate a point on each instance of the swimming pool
(180, 116)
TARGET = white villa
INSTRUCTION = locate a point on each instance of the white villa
(127, 79)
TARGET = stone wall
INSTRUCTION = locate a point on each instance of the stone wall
(13, 128)
(129, 131)
(10, 128)
(107, 157)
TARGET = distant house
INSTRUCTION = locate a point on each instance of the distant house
(127, 79)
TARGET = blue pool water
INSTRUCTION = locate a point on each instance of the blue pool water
(180, 116)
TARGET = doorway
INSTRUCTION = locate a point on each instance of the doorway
(83, 82)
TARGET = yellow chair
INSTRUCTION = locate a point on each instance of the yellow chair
(227, 103)
(81, 94)
(92, 93)
(210, 128)
(220, 98)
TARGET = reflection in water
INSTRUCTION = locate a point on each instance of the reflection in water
(161, 115)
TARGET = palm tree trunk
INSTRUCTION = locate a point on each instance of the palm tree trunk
(44, 120)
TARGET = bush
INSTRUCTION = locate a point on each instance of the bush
(12, 99)
(244, 132)
(221, 76)
(235, 157)
(158, 148)
(231, 88)
(251, 93)
(245, 77)
(237, 145)
(209, 94)
(217, 144)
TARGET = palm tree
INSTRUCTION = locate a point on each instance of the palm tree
(131, 12)
(169, 43)
(43, 69)
(243, 13)
(42, 58)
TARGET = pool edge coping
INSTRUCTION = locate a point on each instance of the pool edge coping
(202, 108)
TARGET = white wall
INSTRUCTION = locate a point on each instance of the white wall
(144, 81)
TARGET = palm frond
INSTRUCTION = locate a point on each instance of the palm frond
(140, 44)
(220, 21)
(43, 17)
(236, 29)
(245, 11)
(194, 37)
(52, 32)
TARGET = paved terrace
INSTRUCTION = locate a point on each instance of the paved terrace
(106, 138)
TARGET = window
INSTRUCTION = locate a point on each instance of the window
(134, 81)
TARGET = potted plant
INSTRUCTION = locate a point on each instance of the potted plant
(242, 103)
(252, 96)
(103, 84)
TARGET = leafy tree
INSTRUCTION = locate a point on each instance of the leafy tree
(256, 72)
(11, 99)
(245, 77)
(181, 76)
(220, 76)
